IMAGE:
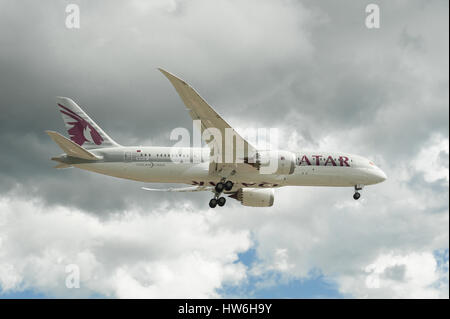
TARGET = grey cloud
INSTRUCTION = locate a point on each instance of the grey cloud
(396, 272)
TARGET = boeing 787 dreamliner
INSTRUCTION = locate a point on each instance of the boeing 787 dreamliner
(239, 170)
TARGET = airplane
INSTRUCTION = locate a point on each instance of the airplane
(204, 168)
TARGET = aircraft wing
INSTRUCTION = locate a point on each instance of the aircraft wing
(199, 109)
(181, 189)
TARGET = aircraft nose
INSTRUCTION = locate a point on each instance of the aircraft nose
(381, 176)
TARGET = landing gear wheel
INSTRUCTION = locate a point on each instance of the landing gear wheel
(221, 201)
(356, 196)
(213, 203)
(228, 185)
(219, 187)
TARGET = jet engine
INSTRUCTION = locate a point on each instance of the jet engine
(255, 197)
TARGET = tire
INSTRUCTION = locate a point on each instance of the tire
(221, 201)
(356, 196)
(219, 187)
(213, 203)
(228, 185)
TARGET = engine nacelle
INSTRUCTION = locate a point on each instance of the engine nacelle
(255, 197)
(275, 162)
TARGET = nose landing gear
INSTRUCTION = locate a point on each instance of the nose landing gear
(357, 195)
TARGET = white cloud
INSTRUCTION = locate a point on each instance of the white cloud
(176, 251)
(175, 254)
(432, 160)
(325, 230)
(414, 275)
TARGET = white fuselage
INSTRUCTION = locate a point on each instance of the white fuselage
(192, 166)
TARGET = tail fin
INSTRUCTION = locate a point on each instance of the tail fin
(81, 128)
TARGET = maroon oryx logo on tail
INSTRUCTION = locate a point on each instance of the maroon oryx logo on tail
(80, 129)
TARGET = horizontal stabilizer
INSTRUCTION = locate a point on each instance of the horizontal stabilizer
(71, 148)
(181, 189)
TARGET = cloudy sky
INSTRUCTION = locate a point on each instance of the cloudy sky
(309, 68)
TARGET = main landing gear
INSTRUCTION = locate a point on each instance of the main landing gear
(220, 187)
(217, 201)
(357, 195)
